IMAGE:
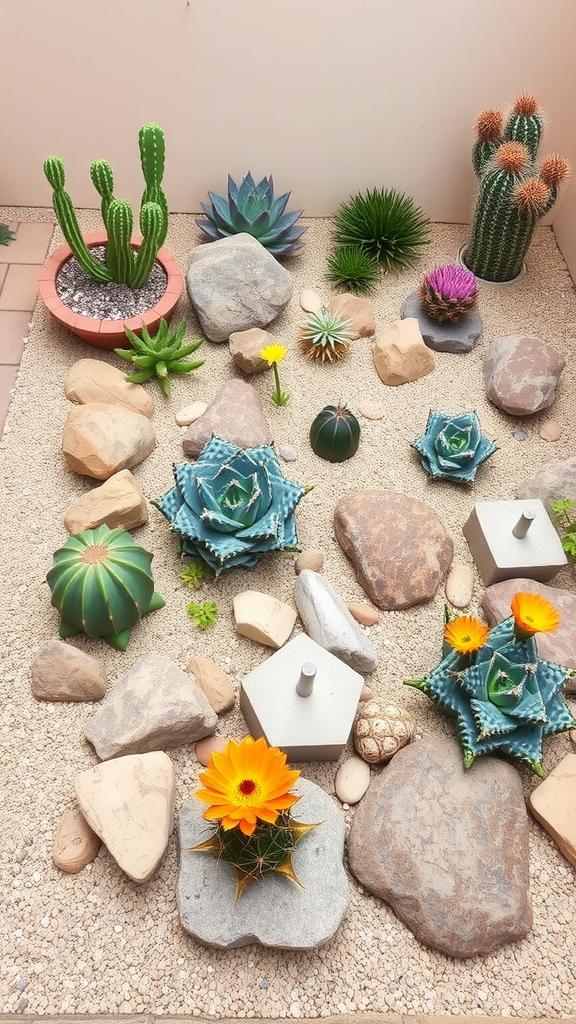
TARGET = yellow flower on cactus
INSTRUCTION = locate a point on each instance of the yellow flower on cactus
(273, 354)
(466, 634)
(246, 782)
(533, 614)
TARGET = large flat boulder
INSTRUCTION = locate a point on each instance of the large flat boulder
(93, 380)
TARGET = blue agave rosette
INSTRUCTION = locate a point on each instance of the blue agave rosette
(504, 697)
(452, 447)
(232, 505)
(253, 208)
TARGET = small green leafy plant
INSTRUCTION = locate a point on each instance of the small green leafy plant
(202, 615)
(159, 355)
(564, 516)
(353, 269)
(6, 235)
(192, 575)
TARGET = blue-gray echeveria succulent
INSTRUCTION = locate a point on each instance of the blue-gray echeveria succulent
(504, 697)
(452, 447)
(232, 505)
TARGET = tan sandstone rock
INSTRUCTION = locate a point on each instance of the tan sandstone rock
(210, 744)
(100, 439)
(129, 803)
(311, 558)
(119, 501)
(363, 613)
(553, 804)
(357, 309)
(310, 301)
(75, 844)
(460, 585)
(214, 682)
(63, 672)
(190, 413)
(263, 618)
(93, 380)
(245, 349)
(400, 355)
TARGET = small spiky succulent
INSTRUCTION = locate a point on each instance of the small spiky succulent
(449, 292)
(159, 355)
(6, 235)
(325, 336)
(252, 208)
(386, 224)
(353, 269)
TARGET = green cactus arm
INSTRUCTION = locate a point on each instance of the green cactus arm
(152, 154)
(482, 153)
(151, 226)
(525, 129)
(119, 255)
(496, 250)
(66, 215)
(103, 181)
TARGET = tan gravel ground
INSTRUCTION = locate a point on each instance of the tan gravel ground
(96, 943)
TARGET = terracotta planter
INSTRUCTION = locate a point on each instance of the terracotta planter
(108, 334)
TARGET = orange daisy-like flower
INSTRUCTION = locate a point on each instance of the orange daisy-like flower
(533, 614)
(466, 634)
(247, 781)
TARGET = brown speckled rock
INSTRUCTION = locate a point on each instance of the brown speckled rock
(311, 558)
(61, 671)
(357, 309)
(234, 414)
(75, 844)
(521, 374)
(447, 848)
(363, 613)
(398, 547)
(381, 730)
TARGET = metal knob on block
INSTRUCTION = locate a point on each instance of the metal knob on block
(524, 523)
(305, 684)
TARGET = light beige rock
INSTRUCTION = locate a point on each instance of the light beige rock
(366, 693)
(553, 804)
(99, 439)
(310, 301)
(352, 780)
(400, 355)
(63, 672)
(363, 613)
(93, 380)
(245, 349)
(263, 618)
(129, 803)
(572, 735)
(459, 585)
(550, 430)
(311, 558)
(214, 682)
(206, 747)
(357, 309)
(371, 411)
(75, 844)
(119, 501)
(184, 417)
(380, 730)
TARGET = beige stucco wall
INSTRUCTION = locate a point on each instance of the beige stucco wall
(331, 96)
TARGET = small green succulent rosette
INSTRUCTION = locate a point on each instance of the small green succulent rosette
(504, 697)
(452, 447)
(232, 505)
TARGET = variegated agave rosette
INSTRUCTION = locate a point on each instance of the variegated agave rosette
(504, 697)
(452, 447)
(232, 505)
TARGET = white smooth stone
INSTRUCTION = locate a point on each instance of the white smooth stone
(352, 780)
(460, 585)
(310, 301)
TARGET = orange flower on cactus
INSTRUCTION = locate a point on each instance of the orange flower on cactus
(466, 634)
(533, 614)
(246, 782)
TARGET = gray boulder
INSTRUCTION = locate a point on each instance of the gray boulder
(329, 623)
(460, 336)
(551, 482)
(235, 284)
(447, 848)
(154, 706)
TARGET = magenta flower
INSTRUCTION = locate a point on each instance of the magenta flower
(449, 292)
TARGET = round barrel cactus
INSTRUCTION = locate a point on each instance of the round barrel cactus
(335, 434)
(101, 584)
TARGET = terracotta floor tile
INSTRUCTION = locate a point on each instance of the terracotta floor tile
(20, 287)
(29, 246)
(7, 381)
(13, 330)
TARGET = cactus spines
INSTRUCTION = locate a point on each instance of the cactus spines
(513, 195)
(119, 258)
(152, 153)
(64, 210)
(103, 181)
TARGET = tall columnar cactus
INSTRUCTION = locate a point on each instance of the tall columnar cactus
(123, 265)
(513, 196)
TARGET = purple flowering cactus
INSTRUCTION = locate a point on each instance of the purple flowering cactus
(449, 292)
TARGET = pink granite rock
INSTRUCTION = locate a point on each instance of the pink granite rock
(553, 804)
(357, 309)
(521, 374)
(234, 414)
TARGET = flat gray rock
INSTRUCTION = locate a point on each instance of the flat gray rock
(521, 374)
(559, 646)
(553, 481)
(327, 621)
(461, 336)
(273, 911)
(234, 414)
(154, 706)
(447, 848)
(398, 546)
(235, 284)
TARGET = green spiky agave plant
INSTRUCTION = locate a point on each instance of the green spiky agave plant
(385, 223)
(159, 355)
(253, 208)
(353, 268)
